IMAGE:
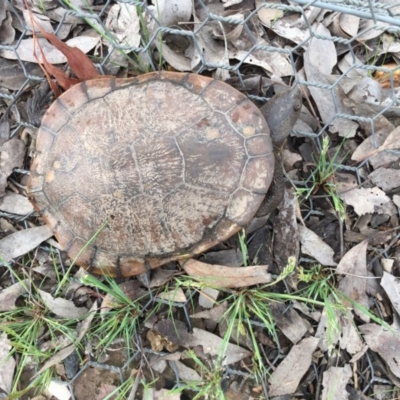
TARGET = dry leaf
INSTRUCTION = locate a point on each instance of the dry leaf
(385, 343)
(334, 381)
(14, 203)
(20, 243)
(221, 276)
(66, 351)
(53, 55)
(61, 307)
(286, 234)
(289, 321)
(7, 364)
(368, 201)
(391, 285)
(385, 178)
(59, 390)
(354, 284)
(229, 258)
(386, 138)
(162, 394)
(318, 62)
(287, 376)
(123, 21)
(12, 155)
(176, 332)
(215, 314)
(185, 373)
(9, 296)
(173, 295)
(312, 245)
(208, 297)
(172, 12)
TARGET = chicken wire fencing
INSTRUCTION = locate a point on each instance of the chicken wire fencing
(344, 54)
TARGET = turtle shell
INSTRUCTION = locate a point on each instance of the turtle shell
(133, 173)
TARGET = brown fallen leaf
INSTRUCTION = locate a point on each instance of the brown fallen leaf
(385, 343)
(9, 296)
(354, 284)
(12, 155)
(7, 364)
(15, 203)
(286, 378)
(385, 178)
(221, 276)
(289, 321)
(21, 242)
(314, 246)
(368, 201)
(391, 285)
(176, 332)
(334, 382)
(61, 307)
(67, 350)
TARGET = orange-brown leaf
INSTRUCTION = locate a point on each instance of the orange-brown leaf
(79, 62)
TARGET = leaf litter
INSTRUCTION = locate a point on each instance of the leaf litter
(309, 331)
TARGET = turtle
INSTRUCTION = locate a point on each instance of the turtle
(133, 173)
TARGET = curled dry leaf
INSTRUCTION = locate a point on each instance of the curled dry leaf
(221, 276)
(9, 296)
(354, 284)
(312, 245)
(334, 381)
(286, 378)
(385, 343)
(61, 307)
(20, 243)
(7, 31)
(176, 332)
(7, 364)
